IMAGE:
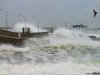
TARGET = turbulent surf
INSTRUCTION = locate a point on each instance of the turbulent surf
(64, 52)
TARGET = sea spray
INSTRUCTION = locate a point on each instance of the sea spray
(65, 52)
(63, 37)
(18, 27)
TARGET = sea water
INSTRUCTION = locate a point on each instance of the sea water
(64, 52)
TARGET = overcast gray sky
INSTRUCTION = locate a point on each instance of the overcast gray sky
(74, 11)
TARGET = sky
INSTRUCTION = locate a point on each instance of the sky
(71, 11)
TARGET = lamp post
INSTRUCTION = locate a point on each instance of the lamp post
(24, 20)
(52, 23)
(70, 25)
(37, 22)
(6, 18)
(65, 24)
(47, 21)
(47, 27)
(55, 24)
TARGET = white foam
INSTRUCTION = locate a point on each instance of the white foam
(6, 47)
(75, 37)
(63, 37)
(69, 67)
(64, 68)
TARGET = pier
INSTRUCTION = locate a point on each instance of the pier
(17, 38)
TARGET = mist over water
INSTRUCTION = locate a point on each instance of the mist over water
(64, 52)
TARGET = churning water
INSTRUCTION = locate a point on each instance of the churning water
(65, 52)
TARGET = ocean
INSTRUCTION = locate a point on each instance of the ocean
(64, 52)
